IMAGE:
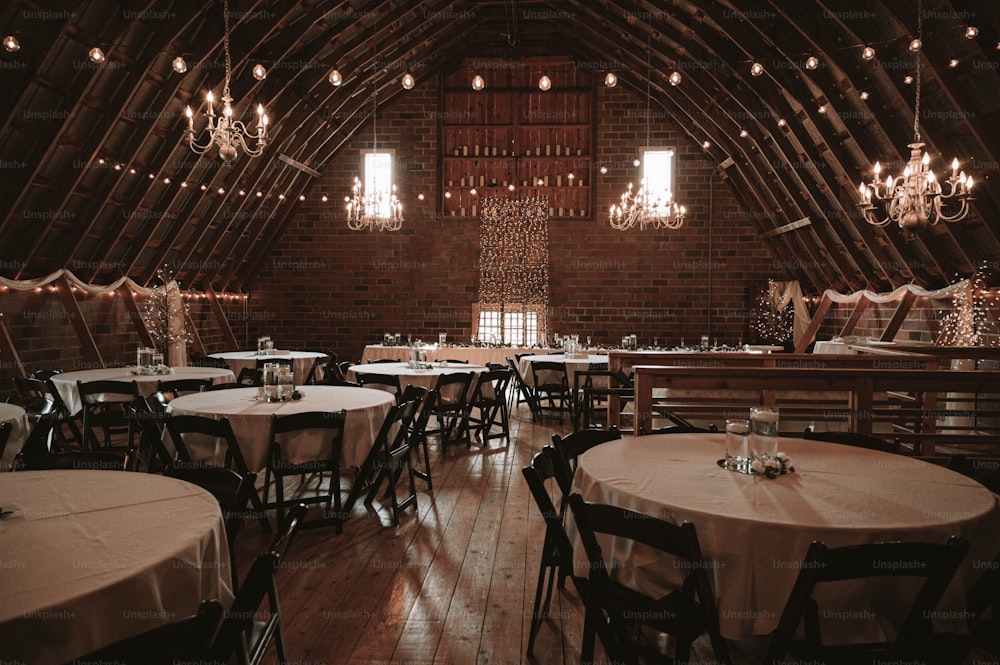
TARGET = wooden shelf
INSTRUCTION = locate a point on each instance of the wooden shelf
(512, 113)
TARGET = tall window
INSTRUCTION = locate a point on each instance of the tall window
(658, 170)
(378, 179)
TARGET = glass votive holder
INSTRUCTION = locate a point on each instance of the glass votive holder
(763, 430)
(442, 338)
(157, 360)
(737, 444)
(397, 339)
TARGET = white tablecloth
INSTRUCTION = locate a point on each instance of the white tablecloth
(758, 530)
(832, 347)
(15, 415)
(302, 361)
(573, 365)
(475, 355)
(92, 557)
(424, 378)
(65, 382)
(251, 420)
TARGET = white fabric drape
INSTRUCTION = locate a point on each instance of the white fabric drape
(940, 294)
(780, 293)
(95, 289)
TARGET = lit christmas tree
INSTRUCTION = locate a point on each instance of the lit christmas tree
(770, 324)
(164, 313)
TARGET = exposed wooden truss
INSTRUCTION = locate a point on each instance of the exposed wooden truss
(71, 132)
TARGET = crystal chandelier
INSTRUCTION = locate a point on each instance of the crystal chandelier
(223, 131)
(647, 207)
(379, 209)
(916, 199)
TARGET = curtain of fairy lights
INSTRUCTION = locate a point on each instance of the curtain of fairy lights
(514, 254)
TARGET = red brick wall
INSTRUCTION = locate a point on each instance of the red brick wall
(327, 287)
(44, 336)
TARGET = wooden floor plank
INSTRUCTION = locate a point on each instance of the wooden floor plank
(452, 584)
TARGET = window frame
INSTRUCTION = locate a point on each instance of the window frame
(367, 182)
(512, 309)
(672, 168)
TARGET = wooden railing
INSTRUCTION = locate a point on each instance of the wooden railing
(922, 408)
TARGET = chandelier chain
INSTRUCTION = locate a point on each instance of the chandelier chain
(916, 59)
(225, 48)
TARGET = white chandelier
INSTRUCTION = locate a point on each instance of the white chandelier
(379, 209)
(646, 207)
(916, 199)
(223, 131)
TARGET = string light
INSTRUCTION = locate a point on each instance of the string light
(514, 253)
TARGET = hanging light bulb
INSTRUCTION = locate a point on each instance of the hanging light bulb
(259, 72)
(478, 83)
(610, 80)
(675, 78)
(407, 81)
(11, 44)
(868, 53)
(335, 78)
(96, 55)
(756, 69)
(812, 62)
(916, 45)
(971, 32)
(180, 65)
(544, 83)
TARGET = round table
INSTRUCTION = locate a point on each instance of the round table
(65, 382)
(302, 361)
(18, 419)
(573, 365)
(250, 418)
(757, 530)
(93, 557)
(424, 378)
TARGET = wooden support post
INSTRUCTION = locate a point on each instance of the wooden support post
(227, 331)
(899, 316)
(7, 348)
(195, 337)
(817, 321)
(65, 291)
(856, 315)
(145, 339)
(643, 402)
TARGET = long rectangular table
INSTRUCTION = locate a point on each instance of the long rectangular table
(474, 355)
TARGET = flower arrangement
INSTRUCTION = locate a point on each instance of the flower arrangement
(771, 466)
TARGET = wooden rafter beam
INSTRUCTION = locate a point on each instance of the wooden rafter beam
(814, 325)
(65, 293)
(905, 304)
(220, 315)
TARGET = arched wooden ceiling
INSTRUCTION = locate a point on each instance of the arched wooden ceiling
(72, 132)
